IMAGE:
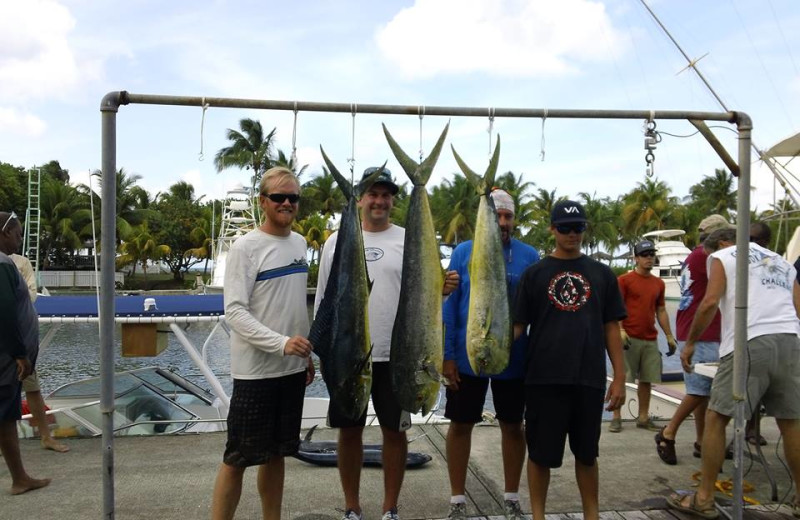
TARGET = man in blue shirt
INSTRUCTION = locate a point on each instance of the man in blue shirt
(466, 392)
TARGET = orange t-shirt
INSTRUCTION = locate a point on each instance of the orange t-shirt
(642, 295)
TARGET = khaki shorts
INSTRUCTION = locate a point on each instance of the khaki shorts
(643, 361)
(773, 377)
(31, 383)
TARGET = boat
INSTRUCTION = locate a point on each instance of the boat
(152, 400)
(238, 218)
(671, 252)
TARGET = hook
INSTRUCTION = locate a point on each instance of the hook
(294, 137)
(352, 159)
(491, 128)
(421, 113)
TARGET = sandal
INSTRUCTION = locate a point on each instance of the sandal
(698, 451)
(751, 438)
(666, 448)
(676, 502)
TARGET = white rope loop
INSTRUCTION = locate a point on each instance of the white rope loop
(352, 160)
(541, 144)
(294, 137)
(491, 128)
(421, 113)
(204, 106)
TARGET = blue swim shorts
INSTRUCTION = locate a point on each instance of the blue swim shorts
(704, 352)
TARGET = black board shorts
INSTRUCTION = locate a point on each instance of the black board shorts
(10, 402)
(387, 409)
(264, 419)
(554, 411)
(465, 405)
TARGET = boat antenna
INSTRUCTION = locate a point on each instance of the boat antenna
(692, 64)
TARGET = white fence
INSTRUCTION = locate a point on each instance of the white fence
(52, 279)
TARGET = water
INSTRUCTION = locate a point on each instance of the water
(74, 354)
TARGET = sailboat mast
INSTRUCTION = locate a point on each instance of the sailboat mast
(692, 64)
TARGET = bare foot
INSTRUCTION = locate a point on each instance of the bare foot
(29, 484)
(52, 444)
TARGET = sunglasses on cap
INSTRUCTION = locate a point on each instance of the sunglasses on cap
(279, 198)
(647, 254)
(11, 215)
(577, 227)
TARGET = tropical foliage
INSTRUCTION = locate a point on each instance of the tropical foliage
(176, 229)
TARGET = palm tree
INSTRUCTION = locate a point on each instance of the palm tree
(314, 229)
(322, 195)
(289, 162)
(139, 248)
(715, 194)
(599, 226)
(523, 202)
(649, 206)
(454, 205)
(63, 213)
(250, 149)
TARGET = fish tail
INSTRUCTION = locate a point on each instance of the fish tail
(343, 183)
(483, 185)
(418, 173)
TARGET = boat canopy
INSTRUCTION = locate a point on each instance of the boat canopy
(662, 234)
(789, 147)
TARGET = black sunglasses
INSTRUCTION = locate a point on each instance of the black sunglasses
(647, 254)
(566, 229)
(279, 198)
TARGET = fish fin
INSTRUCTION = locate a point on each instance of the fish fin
(484, 184)
(310, 433)
(363, 362)
(491, 170)
(365, 183)
(474, 179)
(344, 184)
(409, 165)
(320, 332)
(426, 168)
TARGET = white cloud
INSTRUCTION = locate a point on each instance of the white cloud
(35, 55)
(527, 38)
(13, 121)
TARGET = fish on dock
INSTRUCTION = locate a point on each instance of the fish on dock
(489, 333)
(417, 336)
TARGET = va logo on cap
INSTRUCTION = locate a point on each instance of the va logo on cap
(572, 209)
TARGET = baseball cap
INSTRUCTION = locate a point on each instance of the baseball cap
(643, 246)
(567, 212)
(384, 178)
(713, 223)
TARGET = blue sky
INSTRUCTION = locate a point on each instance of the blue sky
(59, 57)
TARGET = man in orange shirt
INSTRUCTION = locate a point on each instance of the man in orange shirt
(643, 295)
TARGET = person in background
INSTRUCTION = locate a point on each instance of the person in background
(643, 294)
(573, 307)
(19, 346)
(30, 385)
(270, 353)
(772, 355)
(693, 284)
(466, 391)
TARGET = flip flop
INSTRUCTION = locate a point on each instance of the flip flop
(666, 448)
(752, 439)
(674, 502)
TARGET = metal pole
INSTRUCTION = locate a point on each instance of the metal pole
(740, 313)
(108, 111)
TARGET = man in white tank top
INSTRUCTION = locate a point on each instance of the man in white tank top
(772, 356)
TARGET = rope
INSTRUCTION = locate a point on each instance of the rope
(294, 137)
(491, 128)
(541, 144)
(421, 113)
(205, 106)
(352, 160)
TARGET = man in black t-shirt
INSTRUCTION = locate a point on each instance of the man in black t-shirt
(573, 307)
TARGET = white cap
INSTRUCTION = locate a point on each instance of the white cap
(502, 200)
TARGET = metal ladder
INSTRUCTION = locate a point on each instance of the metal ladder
(30, 246)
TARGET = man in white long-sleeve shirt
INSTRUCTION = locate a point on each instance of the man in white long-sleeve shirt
(265, 306)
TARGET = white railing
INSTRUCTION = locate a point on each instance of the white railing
(52, 279)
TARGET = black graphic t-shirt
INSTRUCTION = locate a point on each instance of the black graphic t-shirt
(567, 304)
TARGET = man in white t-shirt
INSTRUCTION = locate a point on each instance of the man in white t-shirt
(265, 307)
(383, 249)
(773, 355)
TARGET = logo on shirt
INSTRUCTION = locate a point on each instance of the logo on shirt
(685, 283)
(569, 291)
(373, 254)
